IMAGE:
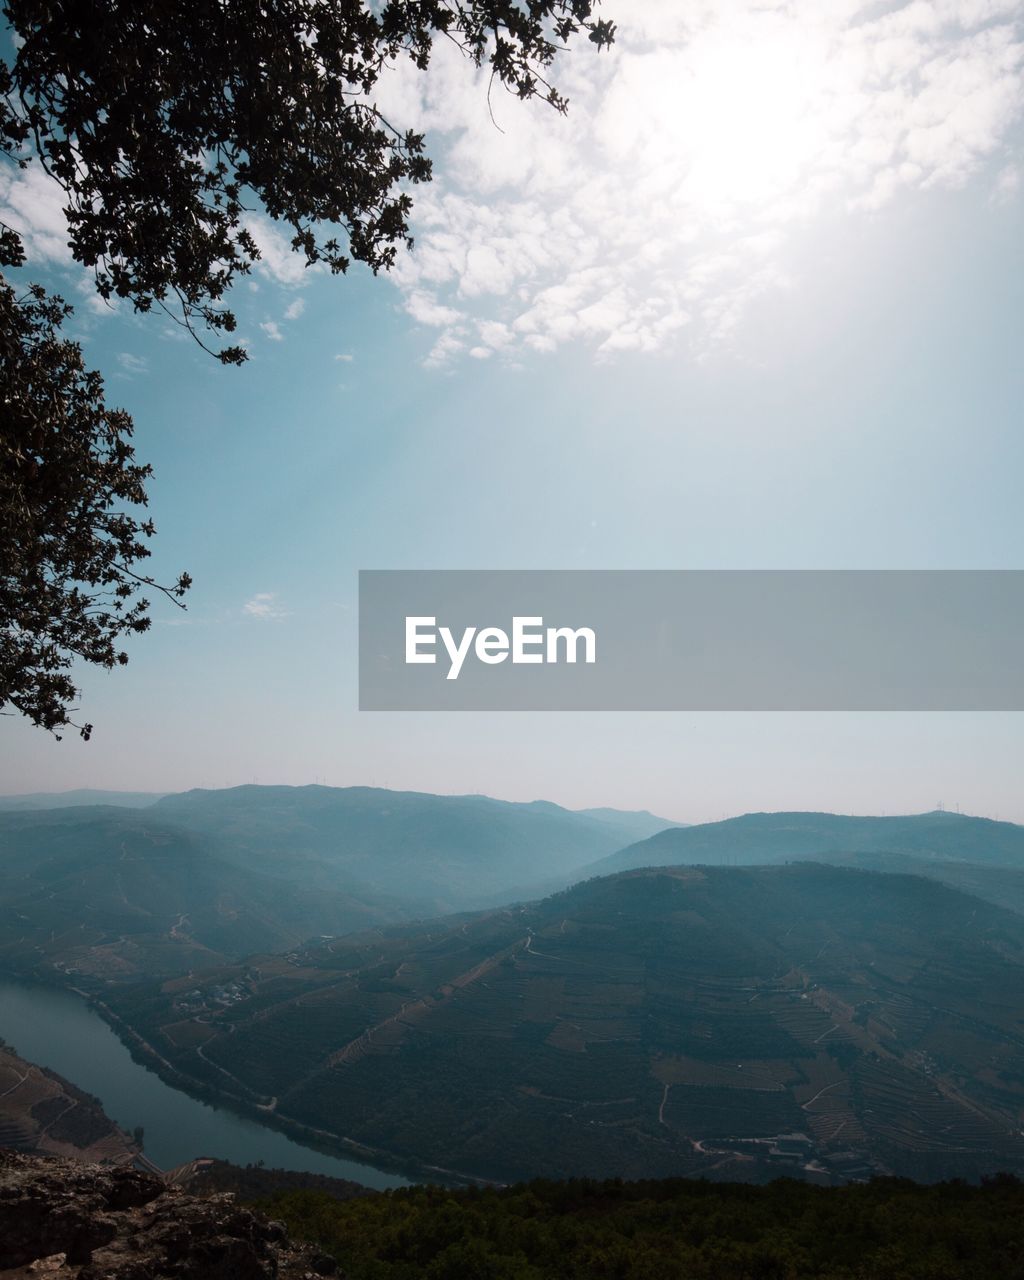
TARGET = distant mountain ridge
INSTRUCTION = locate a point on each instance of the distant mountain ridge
(631, 819)
(765, 838)
(86, 796)
(202, 877)
(450, 852)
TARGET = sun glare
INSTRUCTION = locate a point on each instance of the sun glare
(735, 120)
(759, 132)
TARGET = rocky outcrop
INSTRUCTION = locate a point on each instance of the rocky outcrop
(77, 1221)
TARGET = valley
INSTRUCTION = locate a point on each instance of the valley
(845, 1004)
(58, 1032)
(729, 1022)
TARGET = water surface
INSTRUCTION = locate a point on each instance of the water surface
(59, 1030)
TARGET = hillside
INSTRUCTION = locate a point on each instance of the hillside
(759, 838)
(652, 1023)
(112, 893)
(443, 852)
(42, 1112)
(1002, 886)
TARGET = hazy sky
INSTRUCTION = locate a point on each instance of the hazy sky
(754, 304)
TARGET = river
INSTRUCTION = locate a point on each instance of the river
(59, 1030)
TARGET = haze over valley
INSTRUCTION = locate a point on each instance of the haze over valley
(824, 995)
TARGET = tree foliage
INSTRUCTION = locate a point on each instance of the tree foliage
(169, 126)
(68, 588)
(669, 1230)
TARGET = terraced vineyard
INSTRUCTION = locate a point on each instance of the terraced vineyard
(42, 1112)
(734, 1022)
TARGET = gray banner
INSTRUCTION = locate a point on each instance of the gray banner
(691, 640)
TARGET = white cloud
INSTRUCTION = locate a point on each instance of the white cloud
(295, 309)
(132, 365)
(278, 260)
(345, 357)
(91, 300)
(694, 155)
(99, 306)
(448, 345)
(33, 204)
(425, 309)
(272, 330)
(1008, 183)
(263, 606)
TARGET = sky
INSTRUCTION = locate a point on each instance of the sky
(754, 303)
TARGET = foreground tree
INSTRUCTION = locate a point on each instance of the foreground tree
(167, 126)
(68, 588)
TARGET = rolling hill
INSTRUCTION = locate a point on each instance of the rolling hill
(1002, 886)
(114, 893)
(735, 1023)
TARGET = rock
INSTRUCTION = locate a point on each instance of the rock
(62, 1219)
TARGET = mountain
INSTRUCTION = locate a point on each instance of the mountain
(202, 877)
(444, 853)
(113, 893)
(730, 1022)
(70, 799)
(634, 824)
(757, 838)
